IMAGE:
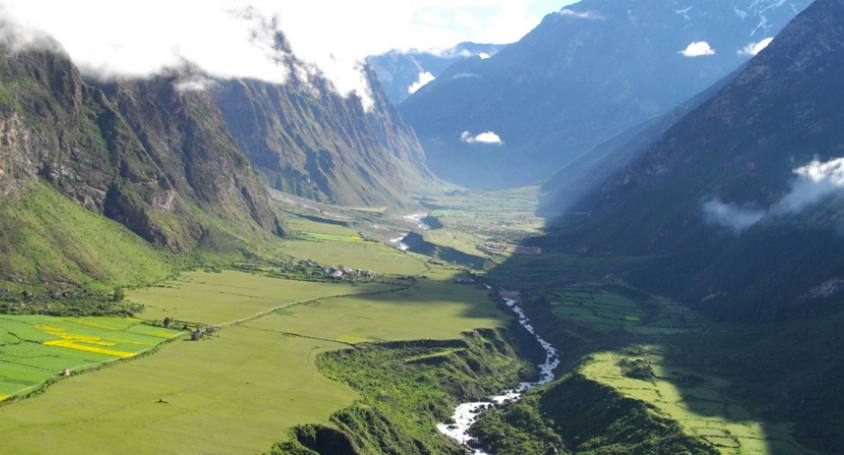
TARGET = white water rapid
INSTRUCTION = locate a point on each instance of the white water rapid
(466, 414)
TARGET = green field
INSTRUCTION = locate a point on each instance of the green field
(489, 214)
(334, 245)
(318, 236)
(431, 309)
(471, 218)
(36, 349)
(242, 389)
(596, 307)
(218, 298)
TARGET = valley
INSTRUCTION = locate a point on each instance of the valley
(294, 228)
(189, 390)
(272, 362)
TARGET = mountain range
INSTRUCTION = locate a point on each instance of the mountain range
(734, 203)
(402, 73)
(181, 160)
(587, 73)
(753, 165)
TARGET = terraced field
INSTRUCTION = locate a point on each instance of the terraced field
(598, 308)
(700, 404)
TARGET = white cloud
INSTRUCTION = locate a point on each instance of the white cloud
(581, 14)
(195, 83)
(136, 39)
(234, 38)
(433, 18)
(484, 55)
(697, 49)
(815, 182)
(488, 137)
(424, 78)
(730, 216)
(753, 49)
(467, 20)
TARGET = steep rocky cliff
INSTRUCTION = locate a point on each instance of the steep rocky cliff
(307, 139)
(142, 153)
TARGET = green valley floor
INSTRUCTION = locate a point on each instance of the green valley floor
(288, 355)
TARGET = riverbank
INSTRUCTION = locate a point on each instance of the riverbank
(467, 414)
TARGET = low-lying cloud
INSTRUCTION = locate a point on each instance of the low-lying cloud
(489, 137)
(697, 49)
(815, 182)
(236, 38)
(193, 83)
(139, 39)
(424, 78)
(753, 49)
(730, 216)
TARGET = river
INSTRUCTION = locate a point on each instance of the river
(467, 414)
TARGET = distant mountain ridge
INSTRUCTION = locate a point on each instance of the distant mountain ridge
(714, 192)
(584, 75)
(736, 208)
(402, 73)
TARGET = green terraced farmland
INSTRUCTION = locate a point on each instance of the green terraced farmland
(334, 245)
(599, 308)
(698, 403)
(36, 349)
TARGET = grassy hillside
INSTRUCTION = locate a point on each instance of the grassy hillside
(407, 387)
(50, 242)
(139, 152)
